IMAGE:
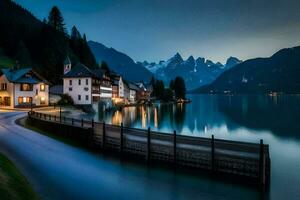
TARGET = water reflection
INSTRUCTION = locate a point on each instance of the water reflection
(210, 113)
(246, 118)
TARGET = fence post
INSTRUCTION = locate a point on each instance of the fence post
(121, 139)
(103, 138)
(212, 153)
(175, 147)
(81, 122)
(72, 121)
(55, 118)
(149, 145)
(261, 163)
(49, 117)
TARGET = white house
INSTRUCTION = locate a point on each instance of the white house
(133, 89)
(86, 86)
(118, 88)
(23, 88)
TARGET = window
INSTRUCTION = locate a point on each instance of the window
(3, 87)
(42, 87)
(70, 82)
(24, 100)
(43, 101)
(70, 89)
(36, 92)
(6, 101)
(79, 81)
(26, 87)
(87, 81)
(79, 97)
(86, 97)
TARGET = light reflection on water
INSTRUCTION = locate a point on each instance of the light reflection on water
(245, 118)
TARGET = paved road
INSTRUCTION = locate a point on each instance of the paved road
(60, 171)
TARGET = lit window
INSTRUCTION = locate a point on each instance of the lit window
(43, 100)
(42, 87)
(26, 87)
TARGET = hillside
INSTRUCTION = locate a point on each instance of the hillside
(31, 42)
(120, 62)
(278, 73)
(5, 61)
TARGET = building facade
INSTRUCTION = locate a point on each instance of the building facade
(87, 86)
(23, 88)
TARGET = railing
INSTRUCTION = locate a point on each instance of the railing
(224, 156)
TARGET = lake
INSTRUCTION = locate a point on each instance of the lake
(275, 119)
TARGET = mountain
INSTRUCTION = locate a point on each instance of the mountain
(195, 72)
(120, 62)
(31, 42)
(278, 73)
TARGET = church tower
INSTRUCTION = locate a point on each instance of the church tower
(67, 65)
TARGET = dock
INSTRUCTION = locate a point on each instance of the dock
(242, 159)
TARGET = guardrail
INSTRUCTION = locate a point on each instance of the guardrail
(218, 156)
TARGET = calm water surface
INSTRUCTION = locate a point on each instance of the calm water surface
(245, 118)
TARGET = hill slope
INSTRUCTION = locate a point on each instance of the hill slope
(120, 62)
(278, 73)
(26, 39)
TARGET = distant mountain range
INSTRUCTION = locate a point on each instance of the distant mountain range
(278, 73)
(195, 72)
(120, 62)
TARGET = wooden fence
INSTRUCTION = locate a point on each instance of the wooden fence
(244, 159)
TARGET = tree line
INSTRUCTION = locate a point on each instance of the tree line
(175, 91)
(42, 45)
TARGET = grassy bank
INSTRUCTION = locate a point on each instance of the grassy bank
(13, 186)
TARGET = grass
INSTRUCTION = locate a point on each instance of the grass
(13, 185)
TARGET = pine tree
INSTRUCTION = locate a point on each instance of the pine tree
(56, 20)
(75, 35)
(179, 87)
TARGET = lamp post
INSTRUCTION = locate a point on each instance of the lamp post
(60, 114)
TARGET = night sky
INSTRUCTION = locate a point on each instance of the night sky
(156, 29)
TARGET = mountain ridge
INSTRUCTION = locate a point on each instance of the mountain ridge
(277, 73)
(196, 72)
(120, 62)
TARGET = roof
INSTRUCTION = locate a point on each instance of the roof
(57, 89)
(80, 70)
(133, 86)
(99, 72)
(19, 76)
(67, 61)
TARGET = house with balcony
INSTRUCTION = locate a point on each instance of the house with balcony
(21, 88)
(87, 86)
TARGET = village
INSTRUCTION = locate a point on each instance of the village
(25, 88)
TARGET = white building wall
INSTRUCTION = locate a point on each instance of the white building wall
(14, 92)
(132, 95)
(83, 90)
(8, 92)
(36, 94)
(121, 88)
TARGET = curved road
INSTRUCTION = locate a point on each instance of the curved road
(60, 171)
